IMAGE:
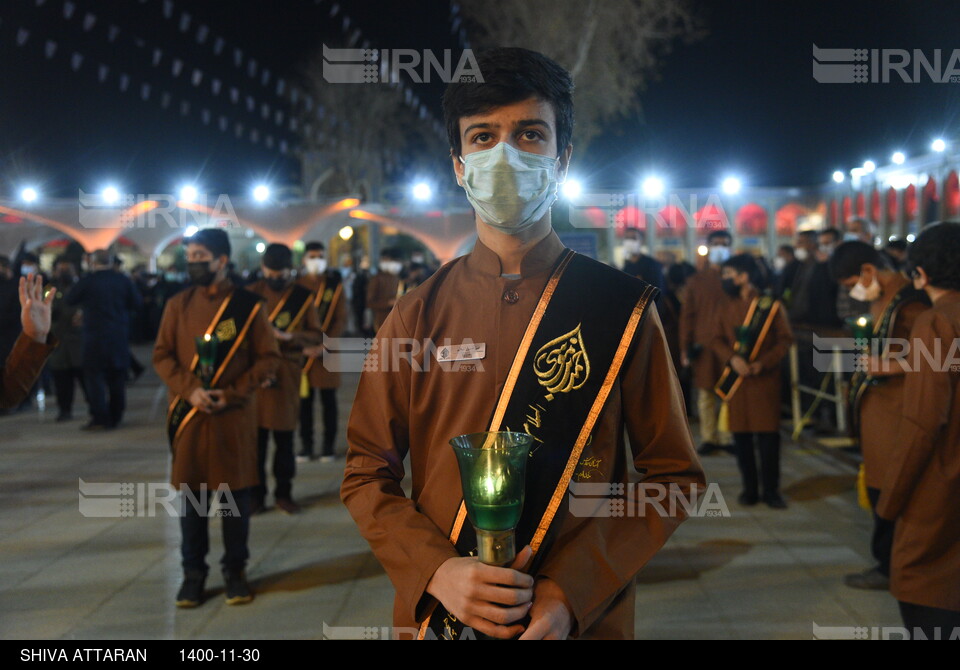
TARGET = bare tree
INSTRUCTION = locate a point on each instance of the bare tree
(356, 138)
(611, 48)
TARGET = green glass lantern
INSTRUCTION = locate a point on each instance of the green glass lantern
(862, 326)
(206, 358)
(493, 468)
(742, 334)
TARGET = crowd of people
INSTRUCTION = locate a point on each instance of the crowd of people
(575, 352)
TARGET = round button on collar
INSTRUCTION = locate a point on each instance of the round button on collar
(510, 296)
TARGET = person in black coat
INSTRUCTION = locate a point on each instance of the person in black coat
(107, 298)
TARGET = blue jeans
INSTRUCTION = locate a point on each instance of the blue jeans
(235, 521)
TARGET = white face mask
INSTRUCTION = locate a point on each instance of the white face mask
(719, 254)
(315, 266)
(779, 263)
(510, 189)
(801, 253)
(393, 267)
(632, 247)
(863, 293)
(28, 270)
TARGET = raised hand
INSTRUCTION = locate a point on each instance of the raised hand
(35, 310)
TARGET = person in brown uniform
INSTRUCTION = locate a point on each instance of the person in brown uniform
(529, 336)
(32, 347)
(921, 484)
(384, 287)
(211, 425)
(328, 297)
(876, 394)
(293, 316)
(705, 300)
(752, 337)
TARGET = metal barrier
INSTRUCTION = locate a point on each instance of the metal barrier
(837, 396)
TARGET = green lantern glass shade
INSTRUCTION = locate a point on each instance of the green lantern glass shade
(493, 467)
(862, 326)
(206, 357)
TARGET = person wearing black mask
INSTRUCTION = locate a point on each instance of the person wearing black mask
(211, 427)
(752, 337)
(296, 324)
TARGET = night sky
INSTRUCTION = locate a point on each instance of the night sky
(742, 99)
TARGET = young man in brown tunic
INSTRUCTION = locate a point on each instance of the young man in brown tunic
(20, 370)
(921, 484)
(585, 583)
(215, 446)
(290, 309)
(704, 301)
(877, 398)
(754, 407)
(384, 287)
(328, 296)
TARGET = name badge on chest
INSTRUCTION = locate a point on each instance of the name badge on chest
(467, 351)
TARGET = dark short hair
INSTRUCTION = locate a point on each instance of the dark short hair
(788, 248)
(277, 257)
(510, 75)
(849, 257)
(30, 257)
(213, 240)
(809, 235)
(679, 273)
(717, 234)
(897, 245)
(832, 231)
(937, 251)
(392, 253)
(633, 229)
(745, 263)
(314, 246)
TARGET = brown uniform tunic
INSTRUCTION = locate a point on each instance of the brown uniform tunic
(755, 407)
(278, 407)
(921, 488)
(880, 406)
(398, 410)
(698, 321)
(320, 377)
(381, 294)
(22, 367)
(221, 448)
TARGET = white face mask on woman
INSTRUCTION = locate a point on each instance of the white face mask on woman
(510, 189)
(869, 293)
(315, 266)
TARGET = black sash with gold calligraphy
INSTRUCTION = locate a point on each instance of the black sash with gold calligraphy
(567, 362)
(230, 325)
(756, 325)
(327, 297)
(883, 329)
(289, 312)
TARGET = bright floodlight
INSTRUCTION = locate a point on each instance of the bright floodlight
(422, 191)
(838, 177)
(869, 167)
(898, 158)
(346, 233)
(731, 186)
(188, 193)
(652, 187)
(911, 238)
(261, 193)
(572, 189)
(261, 247)
(856, 173)
(938, 145)
(190, 231)
(110, 195)
(702, 250)
(29, 194)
